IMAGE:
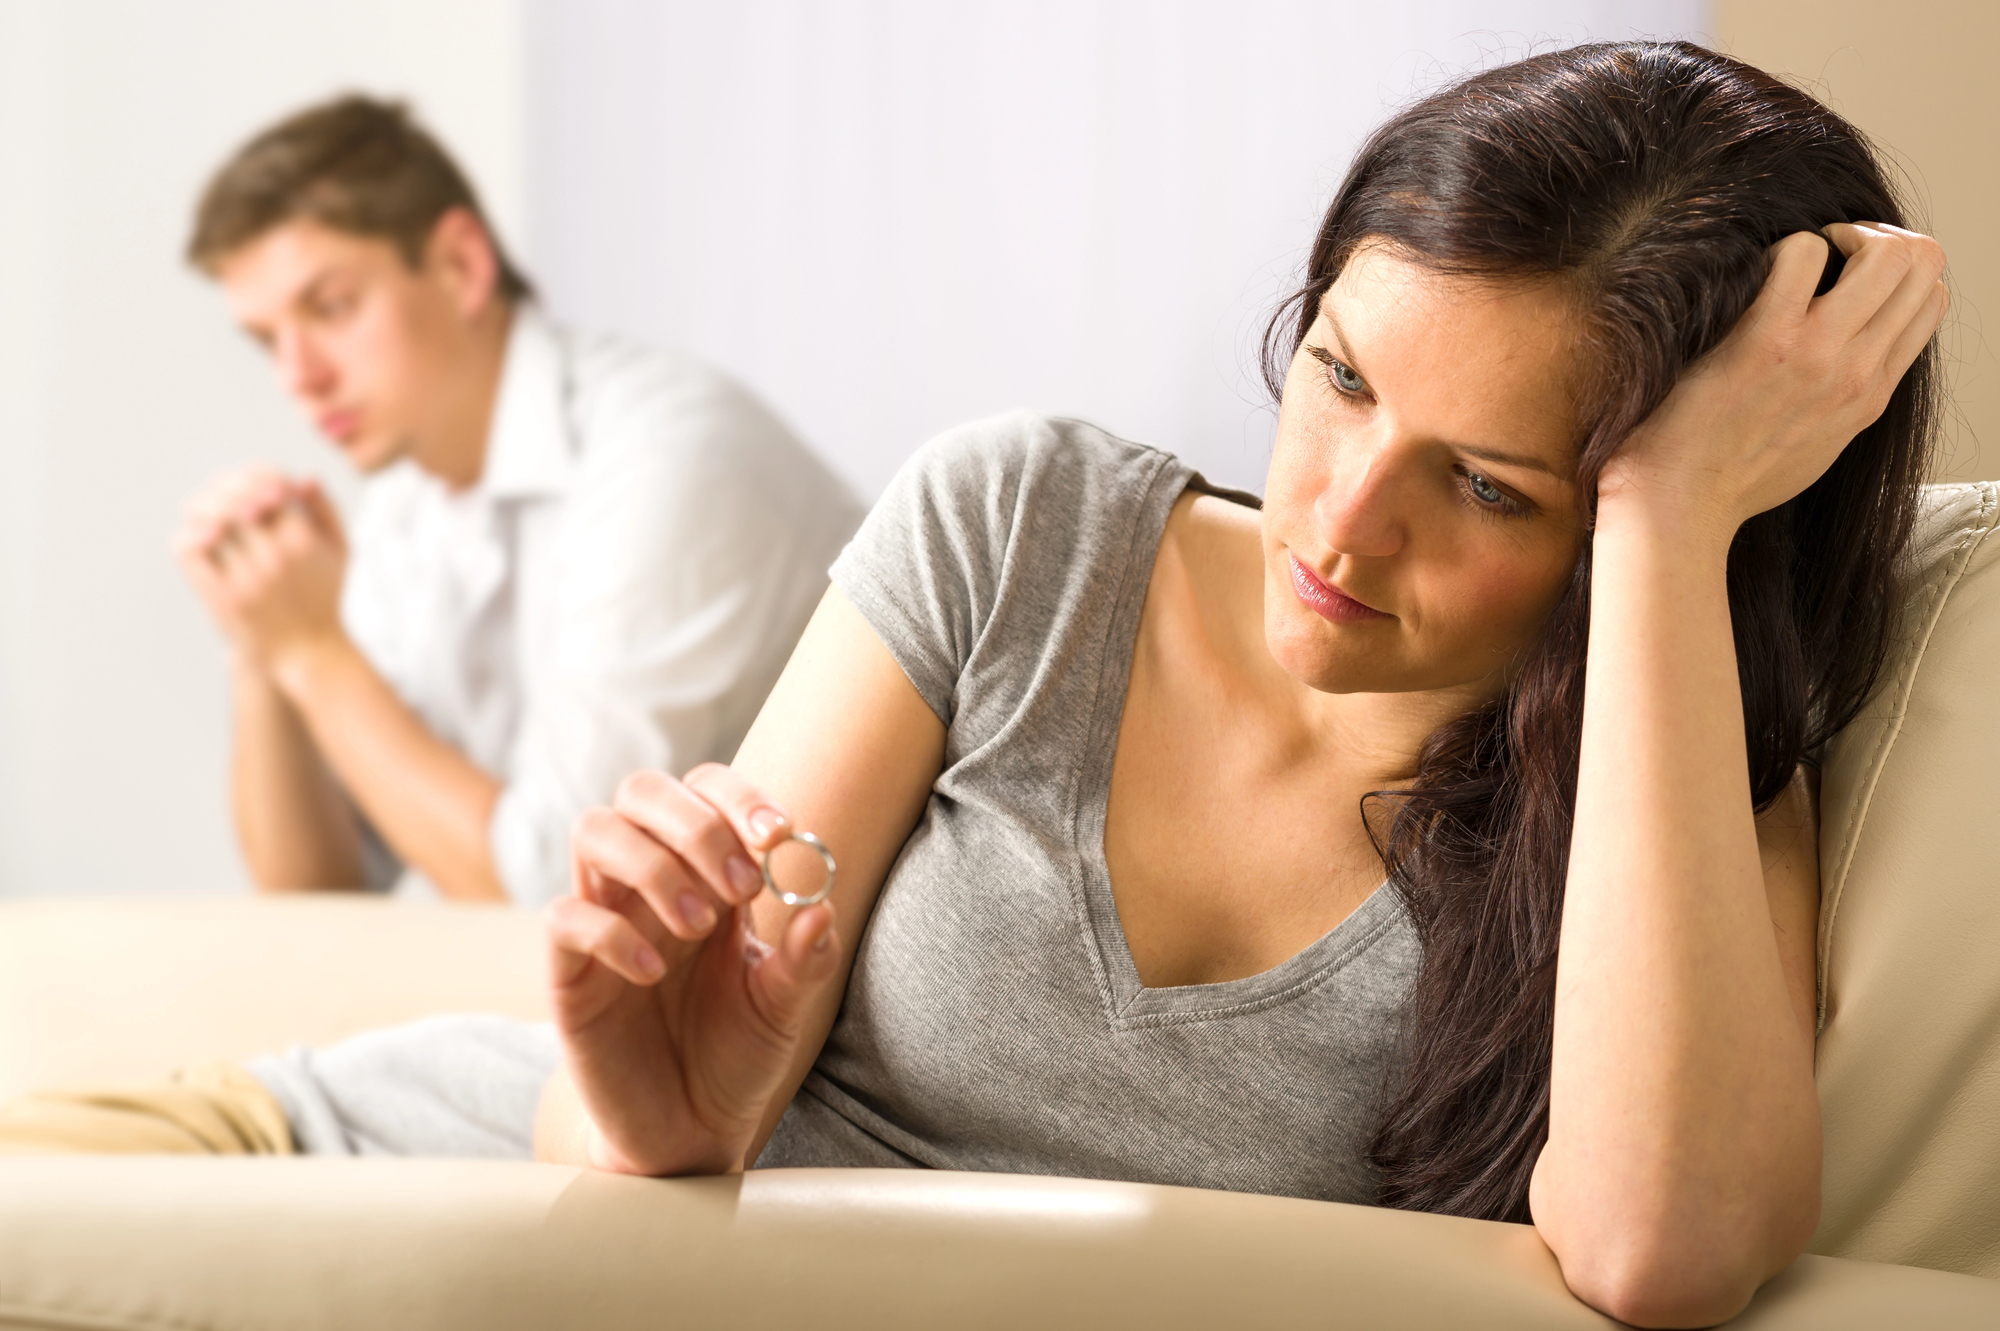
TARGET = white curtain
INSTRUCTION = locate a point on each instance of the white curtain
(889, 216)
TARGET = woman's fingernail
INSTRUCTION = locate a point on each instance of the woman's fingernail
(743, 876)
(696, 913)
(647, 962)
(764, 822)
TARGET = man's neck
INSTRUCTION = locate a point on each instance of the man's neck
(456, 452)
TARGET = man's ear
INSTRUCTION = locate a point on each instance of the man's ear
(460, 253)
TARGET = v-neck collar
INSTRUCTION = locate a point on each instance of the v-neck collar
(1129, 1004)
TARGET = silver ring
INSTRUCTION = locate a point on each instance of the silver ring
(795, 898)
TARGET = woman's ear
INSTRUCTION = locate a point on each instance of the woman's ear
(460, 253)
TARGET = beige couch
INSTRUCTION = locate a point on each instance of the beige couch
(1909, 1071)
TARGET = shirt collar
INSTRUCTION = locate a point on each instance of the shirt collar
(528, 450)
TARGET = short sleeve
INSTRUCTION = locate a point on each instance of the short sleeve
(1002, 515)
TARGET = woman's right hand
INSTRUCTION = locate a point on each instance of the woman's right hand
(678, 1024)
(1765, 413)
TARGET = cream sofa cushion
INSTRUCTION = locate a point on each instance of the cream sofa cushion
(453, 1245)
(1909, 1054)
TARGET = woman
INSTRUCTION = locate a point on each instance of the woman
(1441, 835)
(1565, 567)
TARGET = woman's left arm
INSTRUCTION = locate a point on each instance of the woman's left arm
(1683, 1158)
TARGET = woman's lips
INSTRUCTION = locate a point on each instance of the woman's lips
(1329, 601)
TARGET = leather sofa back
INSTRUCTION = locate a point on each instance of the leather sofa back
(1909, 1051)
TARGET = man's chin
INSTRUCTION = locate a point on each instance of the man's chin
(369, 456)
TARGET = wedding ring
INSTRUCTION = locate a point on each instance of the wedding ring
(800, 898)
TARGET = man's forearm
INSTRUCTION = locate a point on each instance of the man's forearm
(429, 802)
(294, 825)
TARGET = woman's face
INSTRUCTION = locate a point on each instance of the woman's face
(1420, 518)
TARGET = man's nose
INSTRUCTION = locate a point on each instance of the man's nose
(301, 369)
(1360, 510)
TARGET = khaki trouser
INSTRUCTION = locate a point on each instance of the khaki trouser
(206, 1109)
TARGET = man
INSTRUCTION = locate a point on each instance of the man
(572, 558)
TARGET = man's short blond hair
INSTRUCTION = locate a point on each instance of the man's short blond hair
(355, 164)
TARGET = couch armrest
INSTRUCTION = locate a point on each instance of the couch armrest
(223, 1243)
(104, 992)
(97, 992)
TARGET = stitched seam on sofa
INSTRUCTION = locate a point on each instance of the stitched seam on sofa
(1891, 726)
(1857, 809)
(1965, 542)
(38, 1318)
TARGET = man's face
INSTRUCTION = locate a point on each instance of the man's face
(361, 340)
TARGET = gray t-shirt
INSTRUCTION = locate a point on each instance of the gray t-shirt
(995, 1020)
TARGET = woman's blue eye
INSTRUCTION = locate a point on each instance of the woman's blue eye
(1485, 491)
(1344, 379)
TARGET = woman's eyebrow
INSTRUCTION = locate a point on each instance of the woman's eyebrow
(1507, 459)
(1339, 338)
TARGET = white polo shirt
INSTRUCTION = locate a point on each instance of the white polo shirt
(619, 590)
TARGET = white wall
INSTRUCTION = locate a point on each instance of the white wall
(894, 215)
(890, 216)
(122, 387)
(1922, 88)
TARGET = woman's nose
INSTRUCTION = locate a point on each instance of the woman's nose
(1358, 511)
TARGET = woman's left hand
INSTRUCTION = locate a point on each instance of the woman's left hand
(1764, 414)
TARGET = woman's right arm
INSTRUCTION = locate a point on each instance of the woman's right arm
(691, 1003)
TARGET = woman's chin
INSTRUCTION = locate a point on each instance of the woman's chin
(1330, 659)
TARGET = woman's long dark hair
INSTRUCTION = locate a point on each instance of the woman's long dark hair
(1649, 180)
